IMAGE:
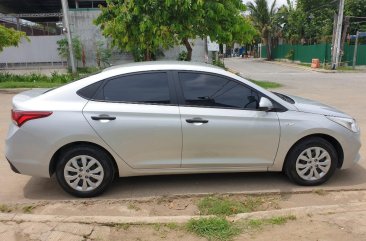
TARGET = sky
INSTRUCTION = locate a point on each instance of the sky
(279, 3)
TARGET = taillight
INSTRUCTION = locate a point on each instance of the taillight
(20, 117)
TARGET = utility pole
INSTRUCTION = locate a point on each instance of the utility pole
(337, 39)
(65, 8)
(355, 51)
(344, 34)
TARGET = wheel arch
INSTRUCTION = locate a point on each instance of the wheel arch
(334, 142)
(55, 157)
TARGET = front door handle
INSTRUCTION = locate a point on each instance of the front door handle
(196, 120)
(103, 117)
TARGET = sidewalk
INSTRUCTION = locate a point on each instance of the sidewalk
(332, 222)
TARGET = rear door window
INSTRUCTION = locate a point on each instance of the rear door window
(149, 88)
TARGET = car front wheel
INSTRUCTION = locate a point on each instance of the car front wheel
(311, 162)
(84, 171)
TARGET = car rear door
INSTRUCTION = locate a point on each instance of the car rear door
(136, 115)
(221, 123)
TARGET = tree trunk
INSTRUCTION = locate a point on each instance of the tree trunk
(147, 56)
(189, 48)
(269, 47)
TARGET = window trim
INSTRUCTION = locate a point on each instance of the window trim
(171, 88)
(182, 101)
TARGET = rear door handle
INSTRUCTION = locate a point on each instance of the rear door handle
(196, 120)
(103, 117)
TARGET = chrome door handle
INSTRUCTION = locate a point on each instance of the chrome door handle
(103, 117)
(196, 120)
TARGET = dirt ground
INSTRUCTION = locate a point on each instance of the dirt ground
(320, 227)
(332, 226)
(179, 205)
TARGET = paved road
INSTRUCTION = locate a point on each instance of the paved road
(343, 90)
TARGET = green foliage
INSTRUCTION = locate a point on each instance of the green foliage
(5, 208)
(137, 26)
(28, 209)
(10, 37)
(218, 63)
(63, 48)
(142, 27)
(356, 8)
(8, 80)
(290, 55)
(266, 84)
(257, 224)
(183, 56)
(225, 206)
(214, 228)
(103, 54)
(263, 18)
(307, 22)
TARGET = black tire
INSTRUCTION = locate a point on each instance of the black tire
(294, 153)
(100, 155)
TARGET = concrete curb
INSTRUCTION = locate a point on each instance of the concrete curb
(301, 67)
(110, 220)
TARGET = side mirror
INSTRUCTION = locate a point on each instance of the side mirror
(265, 104)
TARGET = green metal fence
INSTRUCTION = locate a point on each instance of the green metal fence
(305, 53)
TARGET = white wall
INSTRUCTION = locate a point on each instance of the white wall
(39, 49)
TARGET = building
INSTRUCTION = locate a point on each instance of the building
(42, 20)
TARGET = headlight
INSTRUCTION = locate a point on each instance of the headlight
(350, 124)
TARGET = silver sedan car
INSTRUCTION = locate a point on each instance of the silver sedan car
(173, 118)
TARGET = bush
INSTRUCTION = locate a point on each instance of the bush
(290, 55)
(183, 56)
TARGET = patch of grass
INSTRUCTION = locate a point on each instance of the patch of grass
(11, 85)
(266, 84)
(225, 206)
(172, 226)
(214, 228)
(320, 192)
(305, 64)
(28, 209)
(34, 80)
(124, 226)
(257, 224)
(133, 206)
(5, 208)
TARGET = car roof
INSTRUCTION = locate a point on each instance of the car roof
(162, 65)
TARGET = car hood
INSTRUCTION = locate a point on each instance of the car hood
(311, 106)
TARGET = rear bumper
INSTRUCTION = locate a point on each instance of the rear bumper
(27, 154)
(12, 167)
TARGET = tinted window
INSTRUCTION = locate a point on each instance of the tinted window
(214, 91)
(139, 88)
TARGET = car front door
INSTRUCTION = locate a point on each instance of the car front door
(221, 124)
(136, 116)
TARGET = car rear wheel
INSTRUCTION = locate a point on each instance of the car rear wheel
(84, 171)
(311, 162)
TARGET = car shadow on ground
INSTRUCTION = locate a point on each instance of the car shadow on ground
(148, 186)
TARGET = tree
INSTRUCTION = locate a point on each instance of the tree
(221, 20)
(137, 26)
(63, 48)
(10, 37)
(317, 19)
(263, 18)
(289, 21)
(356, 8)
(141, 26)
(103, 54)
